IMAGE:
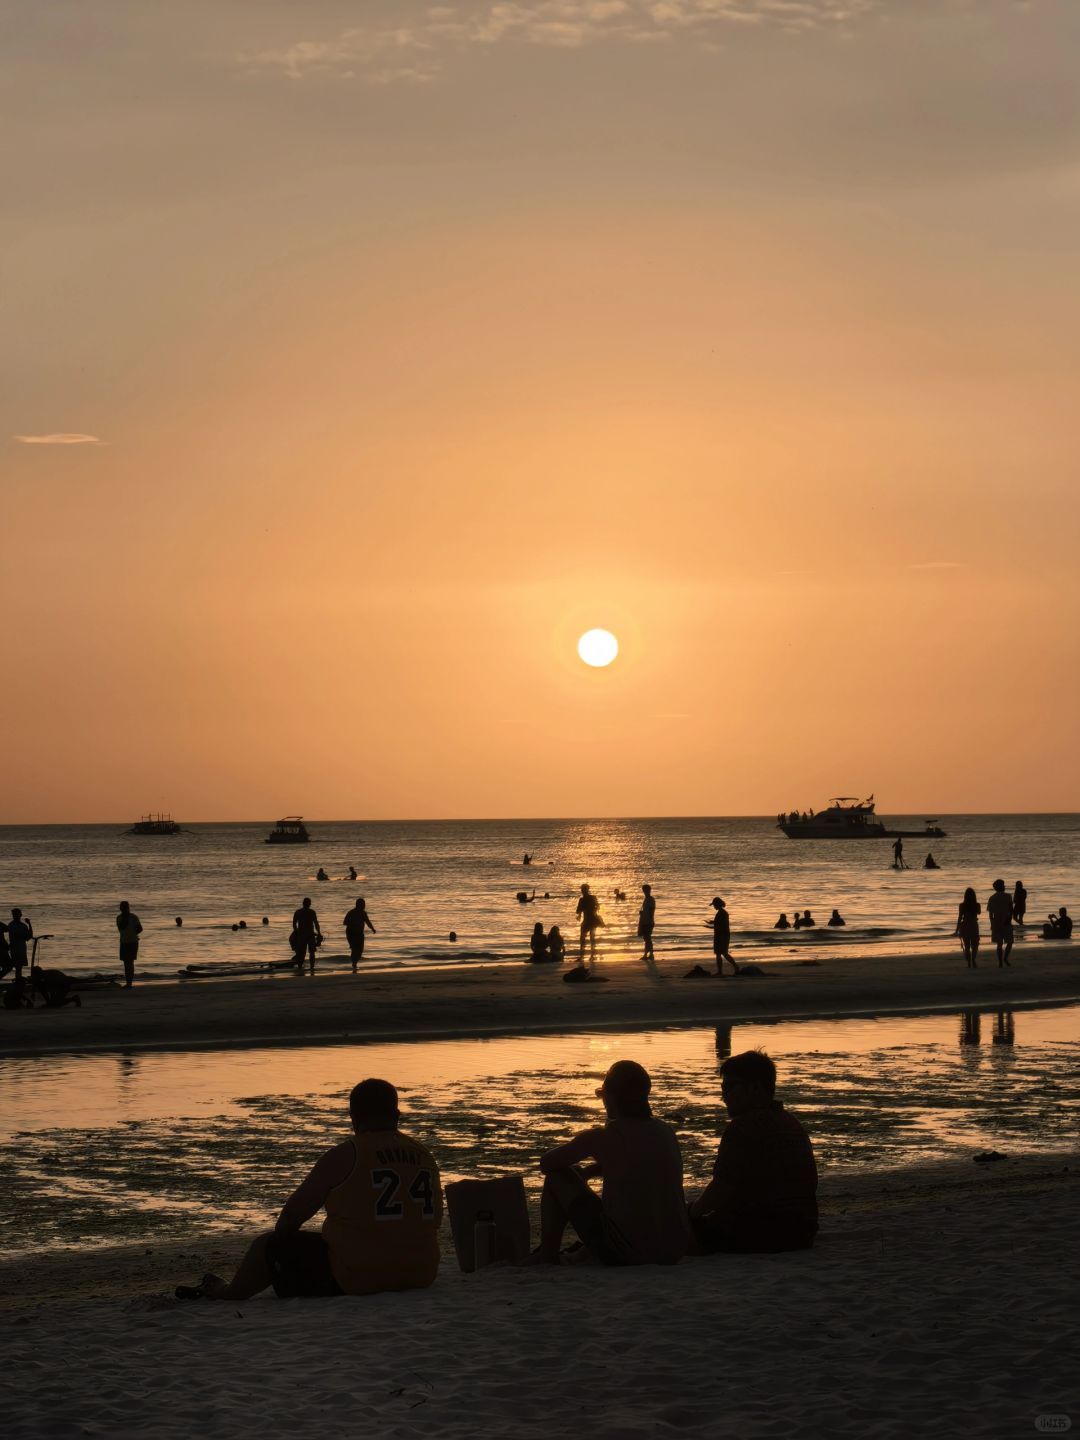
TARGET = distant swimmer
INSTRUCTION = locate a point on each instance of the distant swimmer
(524, 898)
(452, 937)
(898, 855)
(306, 935)
(357, 922)
(807, 921)
(1019, 902)
(19, 931)
(556, 944)
(619, 894)
(720, 925)
(588, 910)
(930, 863)
(243, 924)
(647, 922)
(352, 872)
(784, 923)
(836, 918)
(1059, 926)
(321, 874)
(526, 859)
(179, 921)
(130, 928)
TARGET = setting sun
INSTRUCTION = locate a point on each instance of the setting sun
(598, 647)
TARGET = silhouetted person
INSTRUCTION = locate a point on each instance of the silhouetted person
(357, 922)
(807, 922)
(783, 923)
(352, 872)
(130, 928)
(266, 920)
(1059, 926)
(54, 987)
(721, 928)
(1004, 1028)
(19, 931)
(526, 859)
(640, 1216)
(383, 1202)
(556, 944)
(796, 924)
(307, 934)
(647, 922)
(967, 927)
(836, 918)
(930, 863)
(763, 1194)
(321, 874)
(1019, 902)
(588, 909)
(538, 946)
(999, 913)
(898, 855)
(179, 921)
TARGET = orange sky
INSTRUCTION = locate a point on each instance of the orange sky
(414, 349)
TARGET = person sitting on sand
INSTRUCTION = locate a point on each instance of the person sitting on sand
(1059, 926)
(383, 1202)
(538, 946)
(836, 918)
(721, 928)
(54, 987)
(588, 909)
(556, 944)
(306, 934)
(999, 912)
(357, 922)
(639, 1218)
(783, 923)
(807, 921)
(967, 927)
(763, 1194)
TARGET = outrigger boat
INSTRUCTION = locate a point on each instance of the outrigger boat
(289, 831)
(155, 825)
(848, 818)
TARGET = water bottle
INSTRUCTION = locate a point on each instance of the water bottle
(484, 1240)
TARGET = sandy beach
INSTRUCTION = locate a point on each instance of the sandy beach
(520, 998)
(935, 1303)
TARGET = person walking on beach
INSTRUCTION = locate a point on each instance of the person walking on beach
(356, 923)
(588, 910)
(898, 854)
(647, 922)
(763, 1194)
(308, 934)
(639, 1218)
(1019, 902)
(1000, 912)
(721, 928)
(967, 927)
(130, 928)
(383, 1201)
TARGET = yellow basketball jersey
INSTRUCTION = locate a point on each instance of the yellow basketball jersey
(382, 1223)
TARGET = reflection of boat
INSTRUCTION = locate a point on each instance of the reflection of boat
(289, 831)
(154, 825)
(847, 819)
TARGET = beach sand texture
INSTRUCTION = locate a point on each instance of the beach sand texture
(933, 1305)
(522, 998)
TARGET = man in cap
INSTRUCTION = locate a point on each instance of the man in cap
(639, 1218)
(763, 1194)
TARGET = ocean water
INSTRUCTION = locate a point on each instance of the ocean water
(422, 880)
(108, 1149)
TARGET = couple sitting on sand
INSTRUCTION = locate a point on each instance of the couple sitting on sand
(383, 1198)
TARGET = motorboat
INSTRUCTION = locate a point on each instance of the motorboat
(848, 818)
(290, 830)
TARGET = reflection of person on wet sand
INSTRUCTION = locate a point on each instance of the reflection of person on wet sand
(970, 1028)
(783, 923)
(1004, 1028)
(588, 909)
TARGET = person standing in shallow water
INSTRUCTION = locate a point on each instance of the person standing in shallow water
(647, 921)
(898, 854)
(588, 908)
(356, 923)
(1019, 902)
(967, 927)
(1000, 912)
(308, 934)
(130, 928)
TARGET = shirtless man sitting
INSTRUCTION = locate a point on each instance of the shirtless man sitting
(383, 1202)
(763, 1194)
(640, 1216)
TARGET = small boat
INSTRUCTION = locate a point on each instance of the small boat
(848, 818)
(289, 831)
(155, 825)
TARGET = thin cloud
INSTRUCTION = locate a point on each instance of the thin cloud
(61, 437)
(417, 51)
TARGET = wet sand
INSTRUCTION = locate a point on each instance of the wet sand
(521, 999)
(938, 1302)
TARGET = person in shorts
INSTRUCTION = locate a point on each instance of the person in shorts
(356, 923)
(130, 928)
(639, 1218)
(999, 911)
(383, 1200)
